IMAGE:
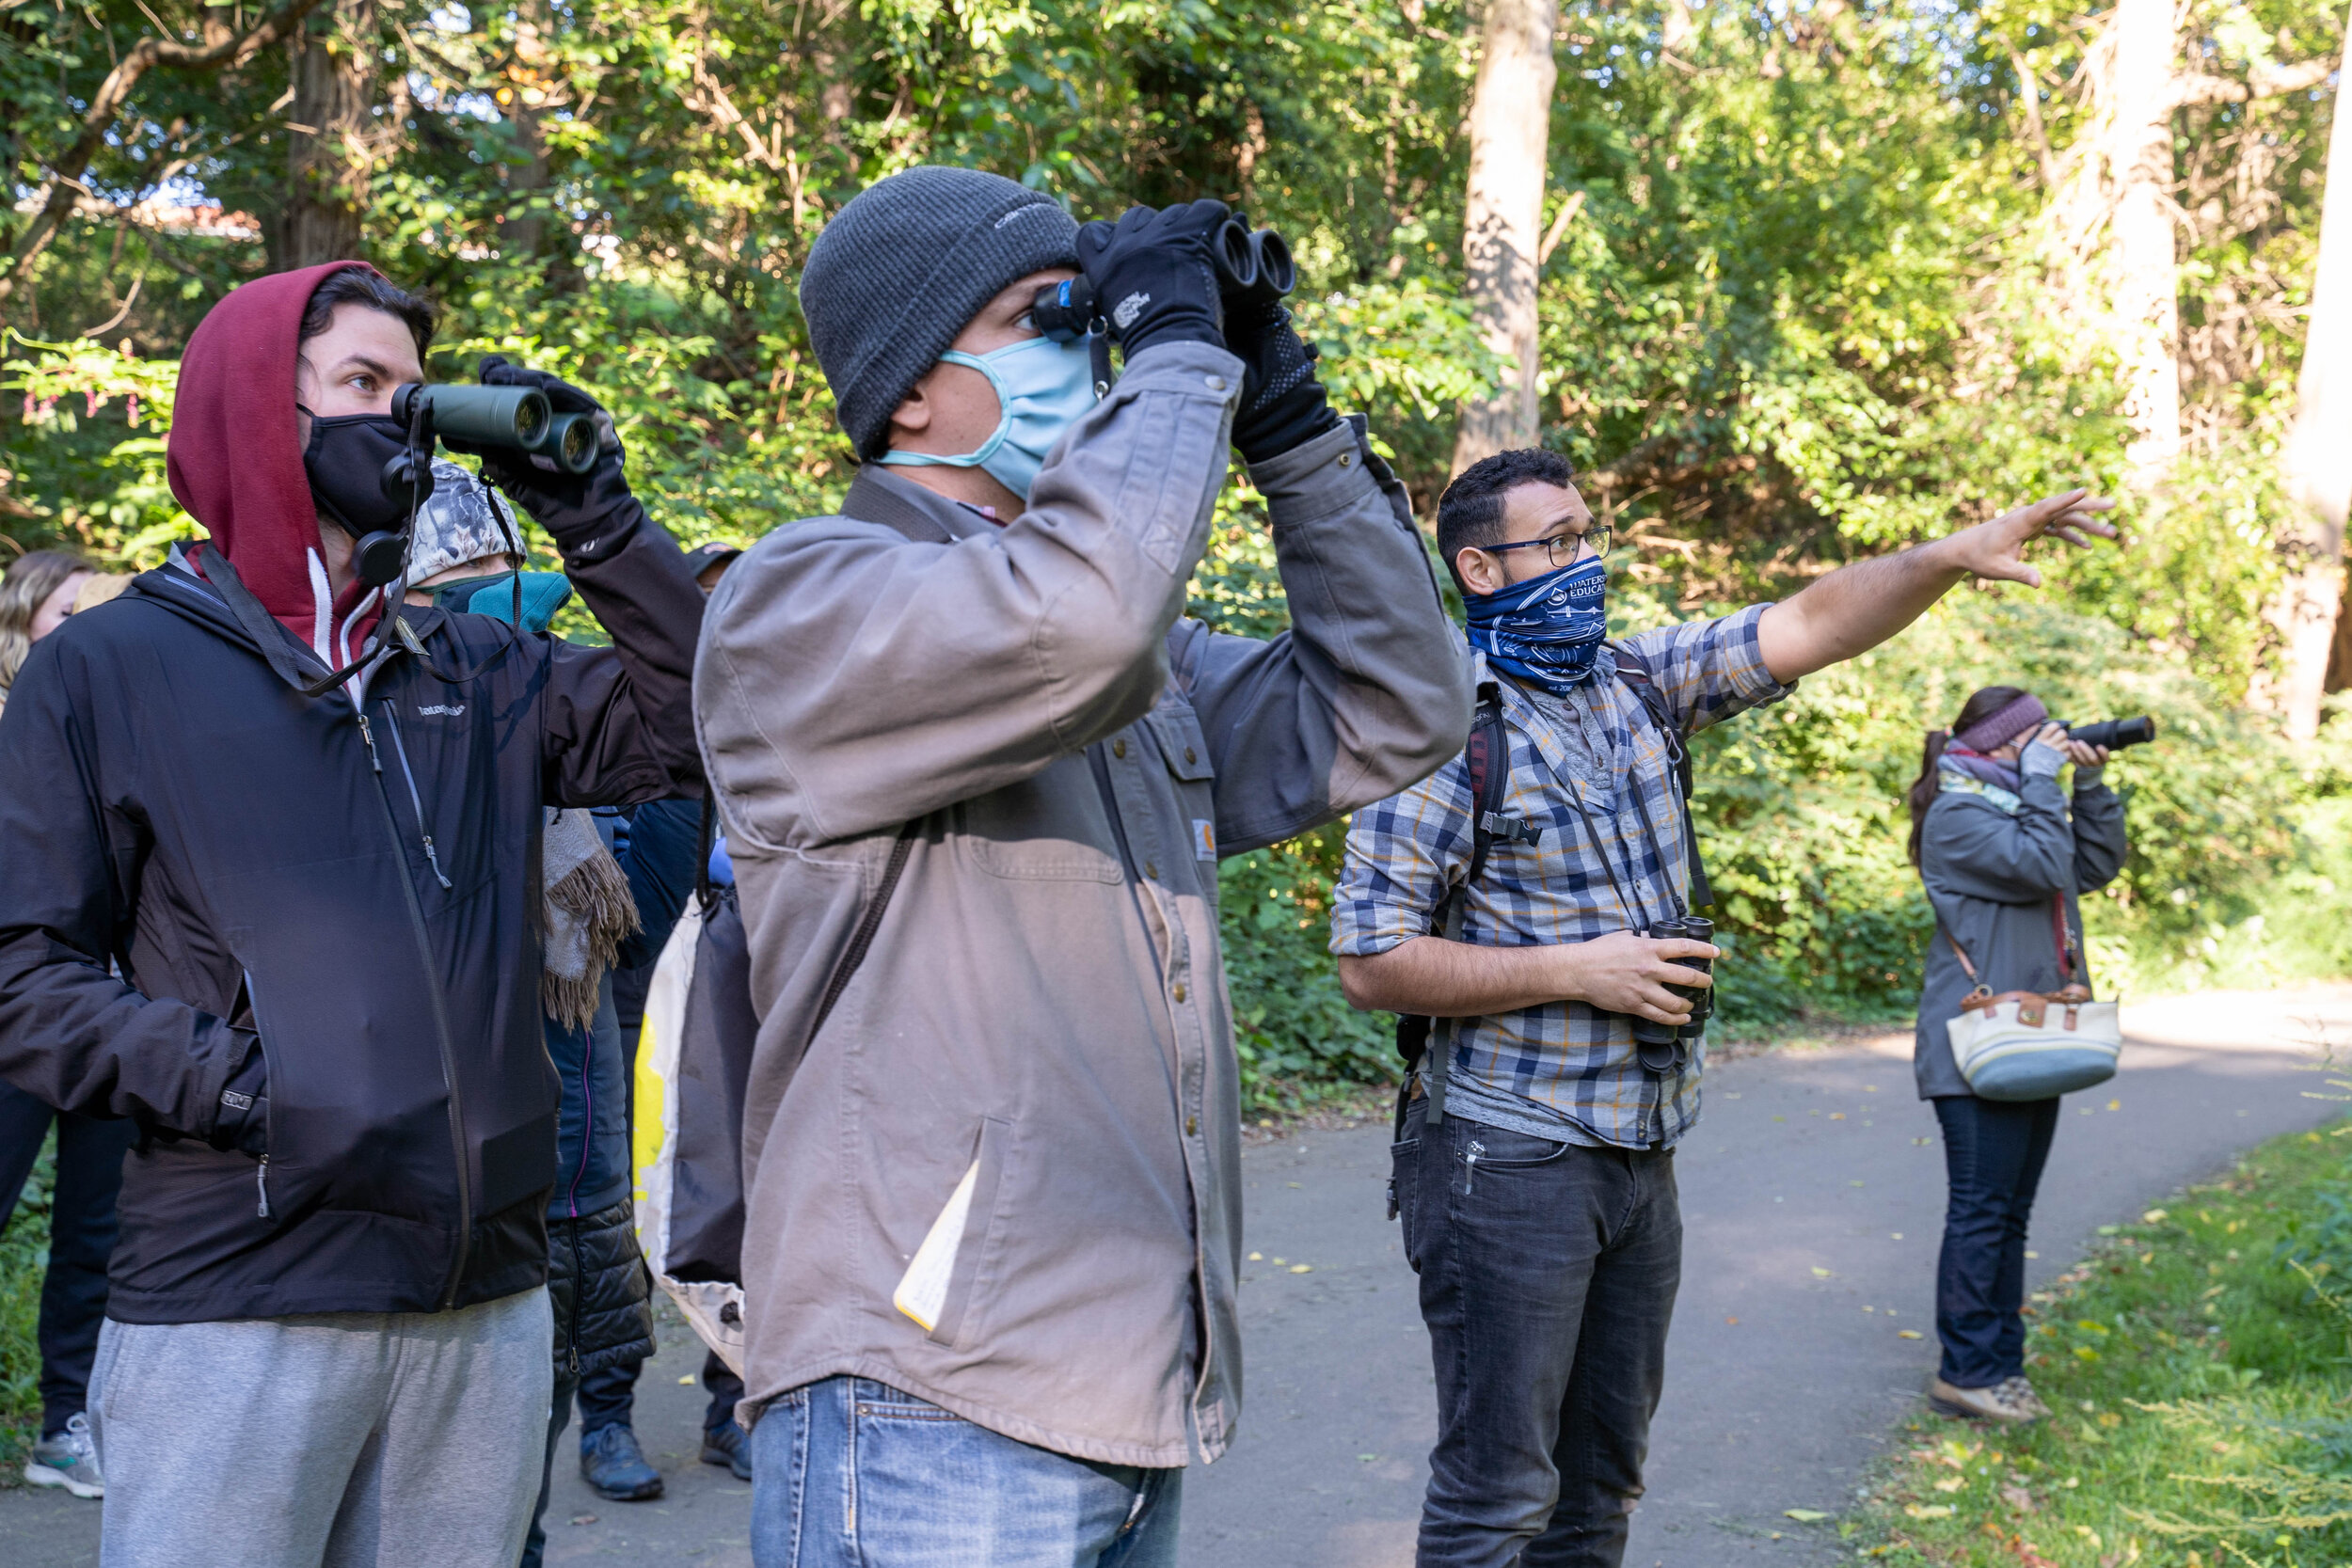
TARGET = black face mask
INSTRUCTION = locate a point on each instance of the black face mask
(365, 480)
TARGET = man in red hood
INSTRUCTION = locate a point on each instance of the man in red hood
(273, 896)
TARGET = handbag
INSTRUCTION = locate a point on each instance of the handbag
(2027, 1045)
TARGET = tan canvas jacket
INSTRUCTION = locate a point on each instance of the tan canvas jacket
(1004, 1176)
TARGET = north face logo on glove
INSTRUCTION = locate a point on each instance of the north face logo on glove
(1124, 315)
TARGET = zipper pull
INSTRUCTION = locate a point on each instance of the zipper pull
(369, 736)
(1469, 1166)
(431, 859)
(261, 1184)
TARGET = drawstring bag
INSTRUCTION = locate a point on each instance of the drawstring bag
(2029, 1045)
(692, 1061)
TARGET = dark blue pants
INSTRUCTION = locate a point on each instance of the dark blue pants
(609, 1398)
(1993, 1151)
(1547, 1278)
(81, 1236)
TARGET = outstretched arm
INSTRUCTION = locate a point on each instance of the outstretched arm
(1859, 605)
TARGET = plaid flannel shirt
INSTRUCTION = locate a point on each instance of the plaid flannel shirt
(1403, 853)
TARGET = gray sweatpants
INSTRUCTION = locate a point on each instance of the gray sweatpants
(344, 1439)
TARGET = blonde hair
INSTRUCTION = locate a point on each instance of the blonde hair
(30, 580)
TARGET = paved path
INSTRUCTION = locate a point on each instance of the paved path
(1807, 1160)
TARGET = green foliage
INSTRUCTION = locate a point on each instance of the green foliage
(2199, 1389)
(24, 1257)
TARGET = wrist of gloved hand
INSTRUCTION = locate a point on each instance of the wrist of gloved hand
(1152, 274)
(2038, 761)
(1282, 404)
(242, 1121)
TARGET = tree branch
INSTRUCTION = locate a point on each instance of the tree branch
(65, 175)
(2276, 82)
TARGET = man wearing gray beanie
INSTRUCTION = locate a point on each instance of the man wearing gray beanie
(977, 770)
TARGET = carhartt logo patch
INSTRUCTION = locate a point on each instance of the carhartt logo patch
(1203, 839)
(441, 711)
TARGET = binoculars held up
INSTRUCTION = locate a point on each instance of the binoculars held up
(517, 417)
(1253, 267)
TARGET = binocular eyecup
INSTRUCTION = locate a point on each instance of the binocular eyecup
(2113, 734)
(516, 417)
(1665, 1047)
(1253, 267)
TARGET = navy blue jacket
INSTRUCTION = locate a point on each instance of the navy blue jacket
(362, 889)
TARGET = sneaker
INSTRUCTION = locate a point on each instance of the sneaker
(728, 1445)
(1975, 1404)
(615, 1467)
(68, 1460)
(2020, 1393)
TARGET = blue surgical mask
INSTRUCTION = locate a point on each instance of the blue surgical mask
(544, 594)
(1044, 387)
(1548, 630)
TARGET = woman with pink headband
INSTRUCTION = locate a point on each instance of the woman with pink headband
(2005, 855)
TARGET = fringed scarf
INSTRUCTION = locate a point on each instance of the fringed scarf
(589, 913)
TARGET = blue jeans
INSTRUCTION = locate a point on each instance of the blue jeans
(1994, 1152)
(1547, 1278)
(849, 1473)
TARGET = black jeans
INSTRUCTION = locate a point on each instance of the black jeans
(1547, 1278)
(81, 1236)
(610, 1397)
(1993, 1151)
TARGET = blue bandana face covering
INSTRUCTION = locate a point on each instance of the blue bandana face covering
(544, 594)
(1548, 630)
(1044, 387)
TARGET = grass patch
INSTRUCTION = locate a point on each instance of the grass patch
(24, 1258)
(2197, 1365)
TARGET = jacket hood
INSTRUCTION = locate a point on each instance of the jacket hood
(236, 461)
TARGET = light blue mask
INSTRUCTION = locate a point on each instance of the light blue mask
(542, 594)
(1044, 387)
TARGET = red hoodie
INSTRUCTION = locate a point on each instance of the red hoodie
(236, 461)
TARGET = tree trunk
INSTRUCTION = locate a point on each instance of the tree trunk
(330, 134)
(2142, 268)
(2319, 447)
(1509, 130)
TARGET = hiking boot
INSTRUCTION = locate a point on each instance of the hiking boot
(2020, 1393)
(68, 1460)
(1974, 1404)
(730, 1445)
(615, 1467)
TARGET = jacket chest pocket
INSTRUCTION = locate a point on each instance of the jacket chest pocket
(1175, 729)
(1051, 827)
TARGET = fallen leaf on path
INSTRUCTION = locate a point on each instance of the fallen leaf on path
(687, 1381)
(1838, 1116)
(2153, 1216)
(2115, 1104)
(1803, 1515)
(1733, 1321)
(584, 1518)
(1952, 1483)
(1907, 1333)
(1931, 1511)
(1821, 1273)
(1257, 1256)
(1302, 1268)
(1366, 1458)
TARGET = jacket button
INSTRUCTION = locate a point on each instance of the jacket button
(1192, 1126)
(1118, 748)
(1151, 869)
(1189, 755)
(1180, 991)
(1216, 383)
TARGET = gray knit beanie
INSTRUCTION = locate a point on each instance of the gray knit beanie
(905, 266)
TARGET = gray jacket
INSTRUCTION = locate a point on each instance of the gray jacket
(1992, 875)
(1039, 1033)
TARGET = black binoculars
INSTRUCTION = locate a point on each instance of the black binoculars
(512, 417)
(2114, 734)
(1253, 267)
(1665, 1047)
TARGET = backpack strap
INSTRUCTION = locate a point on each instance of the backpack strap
(1635, 673)
(1488, 760)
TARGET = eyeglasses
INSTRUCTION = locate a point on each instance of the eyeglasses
(1573, 544)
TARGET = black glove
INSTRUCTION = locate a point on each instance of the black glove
(243, 1119)
(1283, 404)
(1153, 276)
(559, 500)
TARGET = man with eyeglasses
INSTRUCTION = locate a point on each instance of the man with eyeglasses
(1535, 1173)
